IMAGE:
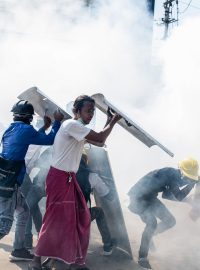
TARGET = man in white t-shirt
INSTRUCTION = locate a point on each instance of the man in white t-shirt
(68, 145)
(67, 219)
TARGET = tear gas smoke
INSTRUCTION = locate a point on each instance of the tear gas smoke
(67, 49)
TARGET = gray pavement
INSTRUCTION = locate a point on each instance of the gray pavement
(177, 249)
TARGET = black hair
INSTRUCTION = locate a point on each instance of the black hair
(79, 102)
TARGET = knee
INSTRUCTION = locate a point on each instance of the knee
(30, 203)
(152, 223)
(32, 208)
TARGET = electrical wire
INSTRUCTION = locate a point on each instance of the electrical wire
(196, 7)
(183, 11)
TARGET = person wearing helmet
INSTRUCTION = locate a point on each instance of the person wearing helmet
(15, 142)
(144, 202)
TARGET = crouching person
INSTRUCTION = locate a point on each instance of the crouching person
(144, 201)
(15, 142)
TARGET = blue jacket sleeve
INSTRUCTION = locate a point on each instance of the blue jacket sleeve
(181, 194)
(41, 138)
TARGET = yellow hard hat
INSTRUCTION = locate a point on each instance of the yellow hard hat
(189, 167)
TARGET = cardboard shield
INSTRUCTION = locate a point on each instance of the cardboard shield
(103, 104)
(42, 104)
(98, 161)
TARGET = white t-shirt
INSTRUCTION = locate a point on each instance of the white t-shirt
(68, 145)
(98, 185)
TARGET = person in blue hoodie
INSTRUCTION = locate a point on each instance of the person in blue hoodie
(15, 142)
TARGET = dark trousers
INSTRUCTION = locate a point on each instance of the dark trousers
(98, 214)
(154, 209)
(33, 193)
(8, 207)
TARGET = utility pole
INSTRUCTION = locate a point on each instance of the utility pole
(150, 6)
(88, 2)
(168, 19)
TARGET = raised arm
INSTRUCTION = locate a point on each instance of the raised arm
(99, 138)
(40, 137)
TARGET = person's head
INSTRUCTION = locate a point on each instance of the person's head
(189, 168)
(83, 108)
(23, 111)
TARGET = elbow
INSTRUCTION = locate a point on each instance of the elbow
(100, 144)
(50, 141)
(101, 138)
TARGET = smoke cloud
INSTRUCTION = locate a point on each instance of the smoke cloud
(66, 49)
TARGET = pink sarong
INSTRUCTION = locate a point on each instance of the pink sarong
(66, 225)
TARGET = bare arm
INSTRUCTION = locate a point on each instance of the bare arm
(100, 137)
(58, 116)
(109, 118)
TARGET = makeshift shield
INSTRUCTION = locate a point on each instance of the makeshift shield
(98, 161)
(103, 104)
(42, 104)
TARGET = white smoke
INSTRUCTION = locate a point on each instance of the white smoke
(67, 49)
(177, 108)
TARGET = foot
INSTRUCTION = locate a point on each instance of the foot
(21, 255)
(108, 248)
(144, 263)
